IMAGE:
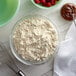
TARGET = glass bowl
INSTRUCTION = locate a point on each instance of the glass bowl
(15, 53)
(43, 7)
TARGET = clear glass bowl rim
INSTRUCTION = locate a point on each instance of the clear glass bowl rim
(14, 50)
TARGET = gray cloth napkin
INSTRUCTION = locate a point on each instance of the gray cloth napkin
(65, 60)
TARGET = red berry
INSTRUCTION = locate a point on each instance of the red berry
(48, 4)
(37, 1)
(44, 4)
(48, 0)
(43, 1)
(53, 2)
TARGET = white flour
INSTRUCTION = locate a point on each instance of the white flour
(35, 39)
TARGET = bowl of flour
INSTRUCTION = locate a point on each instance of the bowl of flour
(34, 39)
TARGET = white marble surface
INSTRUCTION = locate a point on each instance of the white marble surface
(26, 8)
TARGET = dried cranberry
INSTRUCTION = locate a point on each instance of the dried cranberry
(43, 1)
(53, 2)
(37, 1)
(48, 4)
(48, 0)
(44, 4)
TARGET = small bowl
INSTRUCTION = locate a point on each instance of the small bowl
(15, 53)
(8, 8)
(43, 7)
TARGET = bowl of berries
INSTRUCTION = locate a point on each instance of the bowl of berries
(45, 4)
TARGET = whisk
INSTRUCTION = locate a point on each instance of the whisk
(5, 58)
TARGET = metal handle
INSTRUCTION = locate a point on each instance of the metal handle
(9, 60)
(20, 73)
(74, 19)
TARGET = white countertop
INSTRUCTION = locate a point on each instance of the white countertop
(26, 8)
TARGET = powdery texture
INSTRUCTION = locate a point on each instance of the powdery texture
(35, 39)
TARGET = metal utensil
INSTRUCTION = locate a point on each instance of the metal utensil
(5, 58)
(74, 19)
(72, 14)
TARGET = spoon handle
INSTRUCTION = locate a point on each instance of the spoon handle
(74, 19)
(20, 73)
(9, 60)
(74, 22)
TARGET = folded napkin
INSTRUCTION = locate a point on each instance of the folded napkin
(65, 60)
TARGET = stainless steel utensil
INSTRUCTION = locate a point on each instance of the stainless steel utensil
(71, 13)
(5, 58)
(74, 19)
